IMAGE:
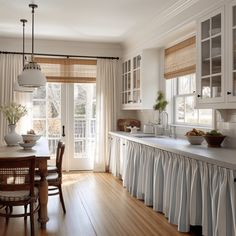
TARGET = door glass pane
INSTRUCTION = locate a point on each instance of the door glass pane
(216, 25)
(206, 90)
(205, 29)
(216, 86)
(84, 120)
(206, 58)
(47, 113)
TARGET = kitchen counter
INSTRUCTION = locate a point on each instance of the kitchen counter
(224, 157)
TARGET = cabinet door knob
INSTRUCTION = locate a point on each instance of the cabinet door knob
(198, 95)
(228, 93)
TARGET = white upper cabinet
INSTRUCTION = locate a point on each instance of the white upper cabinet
(216, 64)
(231, 92)
(211, 56)
(140, 75)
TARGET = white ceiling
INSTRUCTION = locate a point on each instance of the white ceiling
(80, 20)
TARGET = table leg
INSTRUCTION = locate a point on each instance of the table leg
(43, 194)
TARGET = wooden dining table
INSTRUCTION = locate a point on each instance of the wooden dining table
(42, 154)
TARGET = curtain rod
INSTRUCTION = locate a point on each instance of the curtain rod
(60, 55)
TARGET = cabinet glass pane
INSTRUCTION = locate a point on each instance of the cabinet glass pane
(216, 25)
(129, 81)
(129, 65)
(216, 65)
(216, 46)
(129, 98)
(205, 88)
(134, 78)
(234, 84)
(216, 86)
(206, 58)
(134, 63)
(123, 82)
(123, 68)
(138, 61)
(234, 16)
(126, 66)
(138, 79)
(234, 49)
(136, 96)
(205, 29)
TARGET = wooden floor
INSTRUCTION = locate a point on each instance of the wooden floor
(97, 204)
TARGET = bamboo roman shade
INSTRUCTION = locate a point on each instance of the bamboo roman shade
(67, 70)
(180, 59)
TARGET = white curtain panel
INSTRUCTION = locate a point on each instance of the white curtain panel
(106, 99)
(10, 67)
(187, 191)
(114, 156)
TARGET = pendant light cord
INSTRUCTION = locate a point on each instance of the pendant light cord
(32, 6)
(23, 21)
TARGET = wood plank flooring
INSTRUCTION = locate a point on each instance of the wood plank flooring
(97, 204)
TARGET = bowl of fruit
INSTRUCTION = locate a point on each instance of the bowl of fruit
(31, 136)
(195, 136)
(214, 138)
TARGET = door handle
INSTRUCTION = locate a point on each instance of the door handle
(63, 131)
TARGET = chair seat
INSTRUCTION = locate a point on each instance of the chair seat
(50, 177)
(52, 168)
(9, 196)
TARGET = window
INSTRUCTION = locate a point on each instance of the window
(184, 112)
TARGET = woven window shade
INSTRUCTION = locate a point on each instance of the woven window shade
(60, 70)
(180, 59)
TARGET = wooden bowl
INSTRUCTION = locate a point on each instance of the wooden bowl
(214, 141)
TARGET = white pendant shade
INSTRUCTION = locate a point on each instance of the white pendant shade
(32, 76)
(18, 88)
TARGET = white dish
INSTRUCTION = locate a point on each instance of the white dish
(195, 140)
(30, 137)
(27, 145)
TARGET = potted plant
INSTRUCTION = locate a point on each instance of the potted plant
(13, 113)
(160, 106)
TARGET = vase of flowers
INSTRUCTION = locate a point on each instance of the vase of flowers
(13, 113)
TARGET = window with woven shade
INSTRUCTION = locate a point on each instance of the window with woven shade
(180, 59)
(68, 70)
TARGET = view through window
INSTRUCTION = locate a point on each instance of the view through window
(184, 103)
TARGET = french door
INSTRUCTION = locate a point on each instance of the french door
(68, 112)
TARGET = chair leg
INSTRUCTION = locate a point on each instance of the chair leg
(25, 206)
(61, 199)
(32, 218)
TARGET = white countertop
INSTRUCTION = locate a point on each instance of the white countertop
(224, 157)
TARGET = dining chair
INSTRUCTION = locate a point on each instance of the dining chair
(17, 187)
(54, 176)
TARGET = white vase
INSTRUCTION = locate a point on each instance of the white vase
(12, 138)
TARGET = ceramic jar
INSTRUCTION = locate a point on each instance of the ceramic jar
(12, 138)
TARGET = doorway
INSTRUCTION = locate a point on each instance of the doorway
(67, 111)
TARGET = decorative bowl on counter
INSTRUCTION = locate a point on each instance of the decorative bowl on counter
(214, 141)
(28, 138)
(195, 140)
(195, 136)
(214, 138)
(27, 145)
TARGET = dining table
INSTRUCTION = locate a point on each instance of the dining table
(42, 154)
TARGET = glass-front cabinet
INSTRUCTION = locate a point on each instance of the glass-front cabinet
(210, 74)
(131, 81)
(231, 92)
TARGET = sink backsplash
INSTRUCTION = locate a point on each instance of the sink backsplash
(227, 125)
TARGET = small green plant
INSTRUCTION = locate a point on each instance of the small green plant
(13, 112)
(214, 133)
(160, 104)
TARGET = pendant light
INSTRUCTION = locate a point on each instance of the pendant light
(17, 87)
(32, 76)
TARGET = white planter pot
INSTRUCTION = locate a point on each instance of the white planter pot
(12, 138)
